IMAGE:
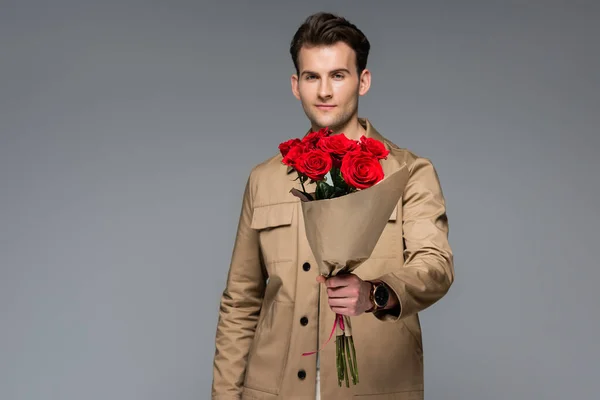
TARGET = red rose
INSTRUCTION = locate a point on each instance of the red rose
(360, 169)
(291, 156)
(314, 163)
(285, 147)
(374, 147)
(313, 138)
(337, 145)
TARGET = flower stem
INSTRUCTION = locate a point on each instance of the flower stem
(338, 360)
(344, 361)
(354, 357)
(349, 359)
(302, 183)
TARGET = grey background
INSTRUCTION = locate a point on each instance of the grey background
(127, 130)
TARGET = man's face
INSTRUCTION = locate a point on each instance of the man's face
(328, 85)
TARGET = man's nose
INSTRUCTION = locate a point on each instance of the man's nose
(325, 90)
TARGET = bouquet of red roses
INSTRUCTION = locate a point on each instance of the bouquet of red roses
(345, 214)
(336, 164)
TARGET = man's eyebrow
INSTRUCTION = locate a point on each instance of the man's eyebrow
(308, 72)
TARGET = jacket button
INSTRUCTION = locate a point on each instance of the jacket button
(302, 374)
(304, 321)
(306, 266)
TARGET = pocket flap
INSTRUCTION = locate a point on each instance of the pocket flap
(394, 214)
(272, 215)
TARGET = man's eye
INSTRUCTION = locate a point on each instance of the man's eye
(339, 76)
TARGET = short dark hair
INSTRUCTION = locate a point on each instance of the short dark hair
(326, 29)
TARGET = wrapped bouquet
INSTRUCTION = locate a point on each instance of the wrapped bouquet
(346, 214)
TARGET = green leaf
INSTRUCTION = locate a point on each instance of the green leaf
(339, 192)
(319, 194)
(340, 182)
(336, 176)
(325, 191)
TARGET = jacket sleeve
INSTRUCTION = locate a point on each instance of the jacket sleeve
(240, 306)
(428, 269)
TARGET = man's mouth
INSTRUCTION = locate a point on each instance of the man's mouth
(325, 106)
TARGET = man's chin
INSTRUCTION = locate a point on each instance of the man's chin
(320, 123)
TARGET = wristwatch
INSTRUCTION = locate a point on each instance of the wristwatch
(379, 296)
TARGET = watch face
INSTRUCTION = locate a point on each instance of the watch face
(381, 296)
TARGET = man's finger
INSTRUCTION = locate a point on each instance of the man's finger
(348, 302)
(344, 311)
(338, 281)
(340, 310)
(339, 302)
(342, 292)
(332, 282)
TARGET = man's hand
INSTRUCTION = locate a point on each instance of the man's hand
(348, 294)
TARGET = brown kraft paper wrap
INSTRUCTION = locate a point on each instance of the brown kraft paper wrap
(343, 231)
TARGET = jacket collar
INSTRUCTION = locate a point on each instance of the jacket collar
(371, 133)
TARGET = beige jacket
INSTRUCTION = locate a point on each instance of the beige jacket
(272, 309)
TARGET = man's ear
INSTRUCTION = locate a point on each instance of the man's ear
(294, 82)
(364, 82)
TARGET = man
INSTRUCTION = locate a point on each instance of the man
(276, 306)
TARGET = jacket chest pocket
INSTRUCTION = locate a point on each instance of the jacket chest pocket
(276, 232)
